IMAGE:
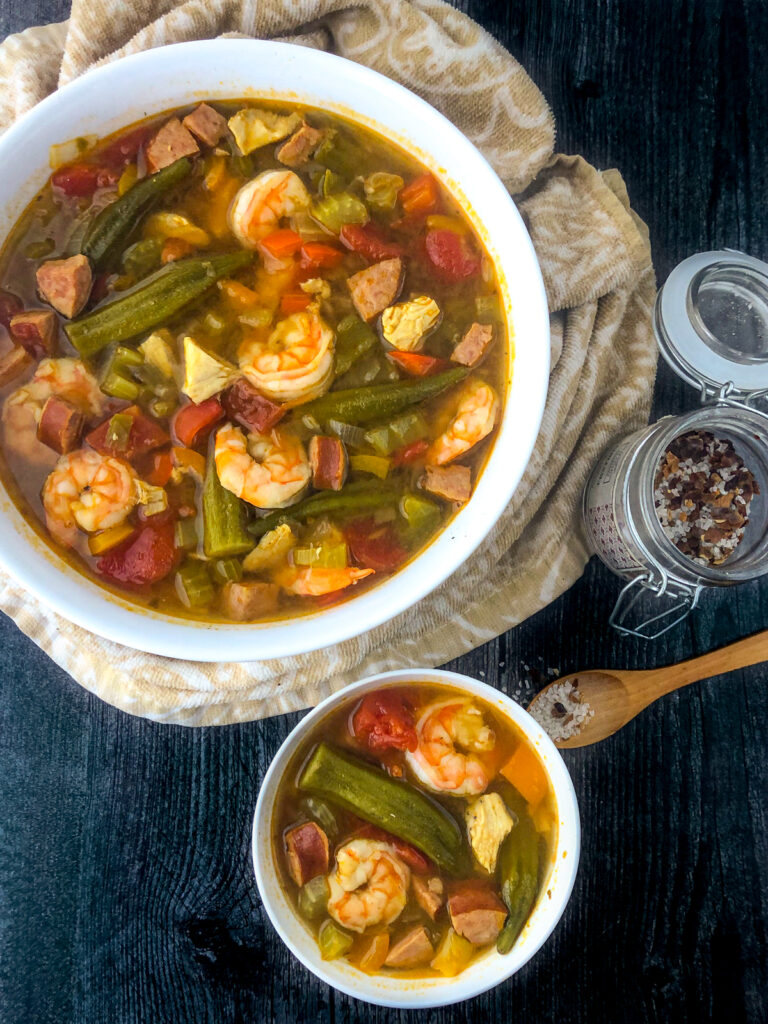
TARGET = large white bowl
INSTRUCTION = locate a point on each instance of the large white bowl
(125, 91)
(489, 969)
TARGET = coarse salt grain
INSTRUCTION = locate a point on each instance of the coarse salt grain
(560, 711)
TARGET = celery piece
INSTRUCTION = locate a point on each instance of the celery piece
(330, 182)
(374, 464)
(224, 518)
(381, 189)
(333, 942)
(334, 211)
(320, 812)
(353, 339)
(227, 570)
(422, 515)
(185, 534)
(313, 898)
(340, 154)
(324, 556)
(487, 307)
(402, 430)
(193, 585)
(117, 386)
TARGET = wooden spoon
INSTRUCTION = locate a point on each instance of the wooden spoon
(617, 696)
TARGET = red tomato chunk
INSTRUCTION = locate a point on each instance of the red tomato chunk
(192, 422)
(451, 255)
(370, 241)
(146, 557)
(384, 720)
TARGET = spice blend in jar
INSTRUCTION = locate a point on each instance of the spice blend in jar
(702, 495)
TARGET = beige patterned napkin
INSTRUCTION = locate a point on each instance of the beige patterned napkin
(596, 262)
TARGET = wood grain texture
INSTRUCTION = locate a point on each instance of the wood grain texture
(126, 893)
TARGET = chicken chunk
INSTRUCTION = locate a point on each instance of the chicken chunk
(206, 124)
(453, 483)
(412, 950)
(473, 346)
(35, 331)
(376, 287)
(476, 912)
(298, 149)
(169, 144)
(488, 825)
(245, 601)
(406, 325)
(308, 852)
(65, 284)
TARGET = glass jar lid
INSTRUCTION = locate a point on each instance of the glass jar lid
(711, 322)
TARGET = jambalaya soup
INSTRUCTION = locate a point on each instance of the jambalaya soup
(254, 358)
(413, 831)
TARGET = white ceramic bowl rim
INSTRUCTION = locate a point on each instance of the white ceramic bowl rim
(492, 968)
(166, 77)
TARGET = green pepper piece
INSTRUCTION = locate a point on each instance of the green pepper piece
(333, 942)
(154, 302)
(227, 570)
(320, 812)
(334, 211)
(360, 496)
(392, 804)
(106, 235)
(402, 430)
(353, 339)
(338, 152)
(518, 869)
(361, 405)
(193, 585)
(118, 431)
(185, 534)
(224, 517)
(422, 515)
(313, 898)
(142, 257)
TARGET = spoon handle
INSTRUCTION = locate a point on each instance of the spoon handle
(750, 651)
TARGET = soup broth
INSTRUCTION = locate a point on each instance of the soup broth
(413, 830)
(254, 357)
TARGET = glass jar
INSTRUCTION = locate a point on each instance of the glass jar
(711, 322)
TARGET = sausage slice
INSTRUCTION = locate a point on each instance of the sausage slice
(65, 284)
(206, 124)
(376, 287)
(308, 850)
(453, 483)
(245, 601)
(13, 364)
(429, 893)
(413, 949)
(61, 425)
(476, 912)
(35, 331)
(169, 144)
(473, 345)
(328, 460)
(298, 149)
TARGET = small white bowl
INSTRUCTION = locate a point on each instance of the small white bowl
(148, 83)
(491, 968)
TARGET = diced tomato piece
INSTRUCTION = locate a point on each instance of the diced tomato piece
(10, 305)
(370, 241)
(124, 150)
(294, 302)
(144, 436)
(76, 180)
(160, 468)
(250, 408)
(420, 196)
(417, 365)
(410, 453)
(375, 545)
(384, 720)
(415, 859)
(282, 242)
(452, 255)
(318, 255)
(146, 557)
(193, 422)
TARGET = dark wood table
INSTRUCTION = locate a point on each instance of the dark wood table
(126, 892)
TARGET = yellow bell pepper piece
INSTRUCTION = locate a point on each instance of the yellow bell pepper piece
(175, 225)
(108, 539)
(453, 954)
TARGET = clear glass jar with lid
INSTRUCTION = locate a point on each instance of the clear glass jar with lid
(711, 324)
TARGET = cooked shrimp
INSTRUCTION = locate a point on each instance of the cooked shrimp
(66, 378)
(449, 735)
(295, 363)
(316, 581)
(89, 491)
(266, 470)
(261, 203)
(369, 885)
(475, 412)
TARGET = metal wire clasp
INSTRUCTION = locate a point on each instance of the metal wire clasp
(684, 598)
